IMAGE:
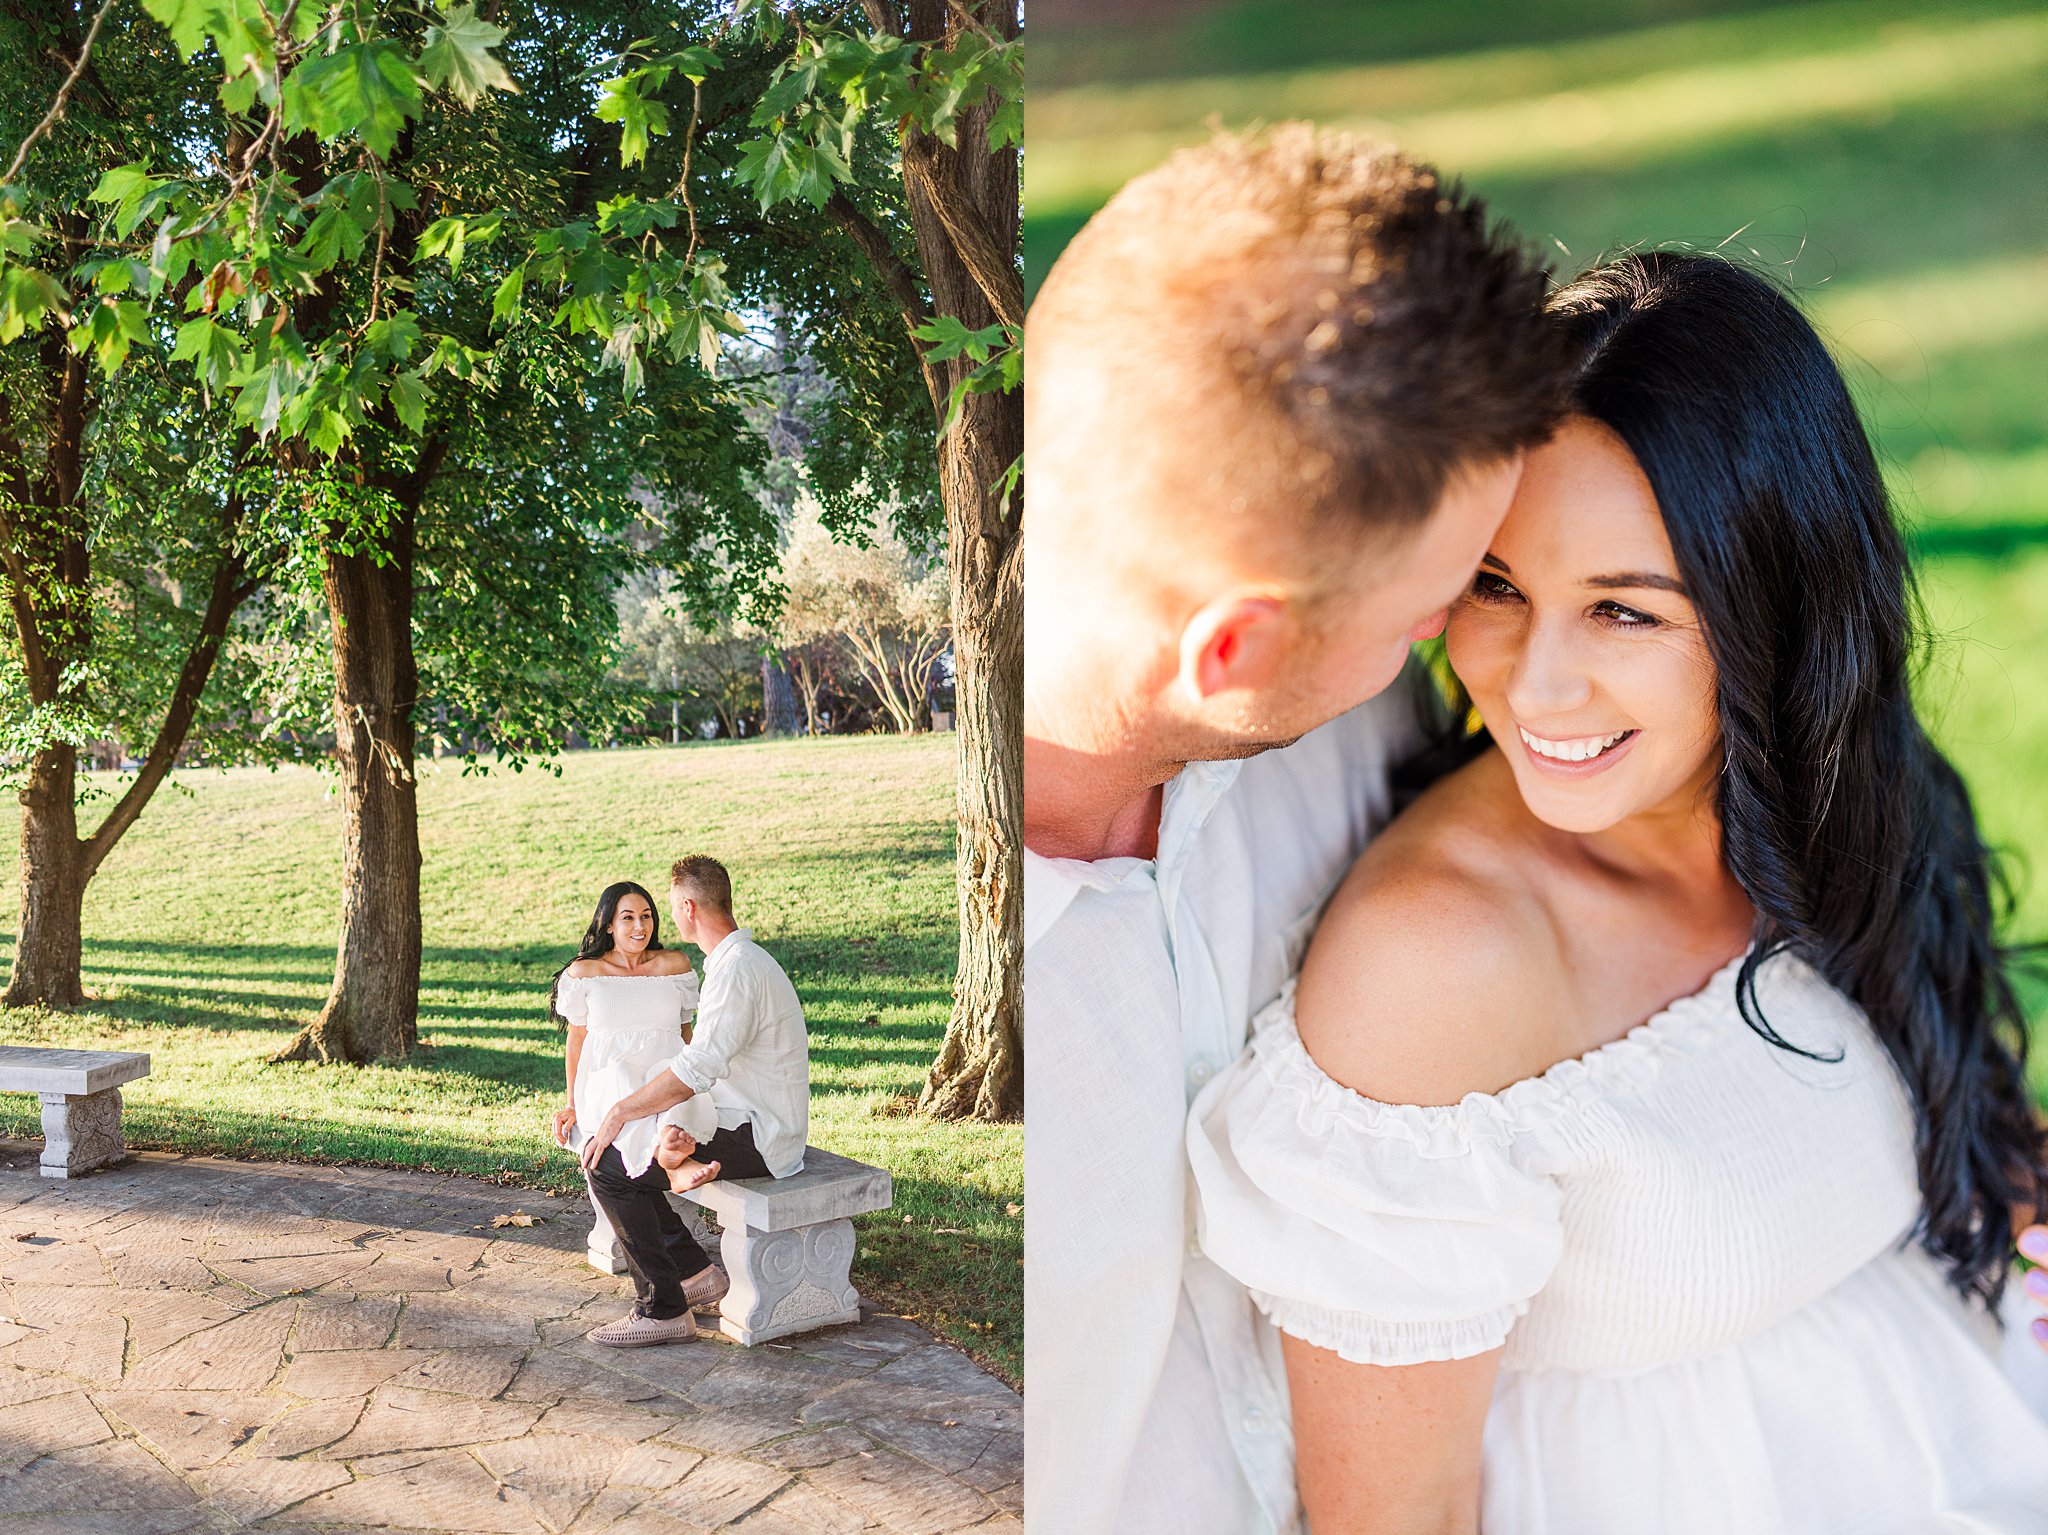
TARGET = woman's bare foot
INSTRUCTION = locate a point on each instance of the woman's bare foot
(691, 1174)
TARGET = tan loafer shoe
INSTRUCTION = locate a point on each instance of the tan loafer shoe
(636, 1331)
(706, 1288)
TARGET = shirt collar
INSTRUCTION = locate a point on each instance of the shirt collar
(725, 945)
(1051, 884)
(1190, 798)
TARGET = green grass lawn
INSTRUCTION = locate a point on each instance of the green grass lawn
(1888, 158)
(211, 939)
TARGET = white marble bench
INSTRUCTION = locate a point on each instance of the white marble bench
(81, 1093)
(788, 1244)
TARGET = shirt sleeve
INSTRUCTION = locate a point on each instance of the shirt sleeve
(572, 1000)
(725, 1021)
(1390, 1234)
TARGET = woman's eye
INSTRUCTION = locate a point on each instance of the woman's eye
(1624, 617)
(1487, 587)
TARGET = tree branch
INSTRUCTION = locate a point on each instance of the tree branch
(993, 268)
(63, 95)
(883, 16)
(897, 276)
(229, 592)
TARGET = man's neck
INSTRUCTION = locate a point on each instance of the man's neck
(1092, 805)
(711, 935)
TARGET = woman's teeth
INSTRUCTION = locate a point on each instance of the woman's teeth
(1573, 751)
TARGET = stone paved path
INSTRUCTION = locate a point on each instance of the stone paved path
(190, 1344)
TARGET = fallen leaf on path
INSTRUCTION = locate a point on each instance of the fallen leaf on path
(516, 1218)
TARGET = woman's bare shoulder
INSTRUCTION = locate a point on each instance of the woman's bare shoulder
(583, 969)
(669, 962)
(1435, 972)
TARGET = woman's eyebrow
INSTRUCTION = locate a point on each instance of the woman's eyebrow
(1639, 578)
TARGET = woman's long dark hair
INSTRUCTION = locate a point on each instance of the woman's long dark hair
(1851, 833)
(597, 938)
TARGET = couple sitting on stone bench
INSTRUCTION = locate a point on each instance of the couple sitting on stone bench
(659, 1105)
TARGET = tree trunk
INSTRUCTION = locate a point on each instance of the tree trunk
(778, 698)
(980, 1069)
(372, 1010)
(48, 957)
(56, 864)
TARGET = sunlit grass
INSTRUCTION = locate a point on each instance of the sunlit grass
(1608, 103)
(211, 938)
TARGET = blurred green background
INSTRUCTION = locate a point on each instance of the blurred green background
(1889, 160)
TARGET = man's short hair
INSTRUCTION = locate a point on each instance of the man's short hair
(703, 879)
(1334, 320)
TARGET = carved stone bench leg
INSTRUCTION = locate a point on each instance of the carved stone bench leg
(81, 1133)
(787, 1281)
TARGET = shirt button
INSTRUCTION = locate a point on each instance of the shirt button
(1254, 1421)
(1200, 1072)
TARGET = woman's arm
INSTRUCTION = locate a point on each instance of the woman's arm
(1393, 1450)
(566, 1115)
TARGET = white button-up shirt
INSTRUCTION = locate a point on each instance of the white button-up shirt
(749, 1052)
(1156, 1400)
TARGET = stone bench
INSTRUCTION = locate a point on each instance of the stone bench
(788, 1244)
(81, 1093)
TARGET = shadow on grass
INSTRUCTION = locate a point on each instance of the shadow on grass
(888, 970)
(1992, 541)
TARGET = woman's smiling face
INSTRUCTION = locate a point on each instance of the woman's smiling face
(632, 925)
(1579, 646)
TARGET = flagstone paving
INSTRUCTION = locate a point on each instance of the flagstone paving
(189, 1344)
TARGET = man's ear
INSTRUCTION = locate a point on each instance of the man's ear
(1237, 641)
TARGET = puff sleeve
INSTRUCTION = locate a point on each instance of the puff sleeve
(1391, 1234)
(572, 999)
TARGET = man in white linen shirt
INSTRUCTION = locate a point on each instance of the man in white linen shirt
(1278, 391)
(750, 1055)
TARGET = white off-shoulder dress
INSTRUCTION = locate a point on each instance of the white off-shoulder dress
(1695, 1247)
(635, 1025)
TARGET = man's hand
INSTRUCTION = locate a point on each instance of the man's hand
(606, 1132)
(664, 1092)
(2034, 1247)
(565, 1121)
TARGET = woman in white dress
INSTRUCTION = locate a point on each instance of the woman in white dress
(1639, 1148)
(627, 1002)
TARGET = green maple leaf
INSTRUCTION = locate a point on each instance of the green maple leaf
(505, 302)
(333, 234)
(640, 118)
(409, 396)
(188, 21)
(458, 56)
(127, 187)
(394, 337)
(27, 296)
(213, 351)
(368, 89)
(115, 326)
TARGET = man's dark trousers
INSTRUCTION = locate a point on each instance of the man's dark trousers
(660, 1252)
